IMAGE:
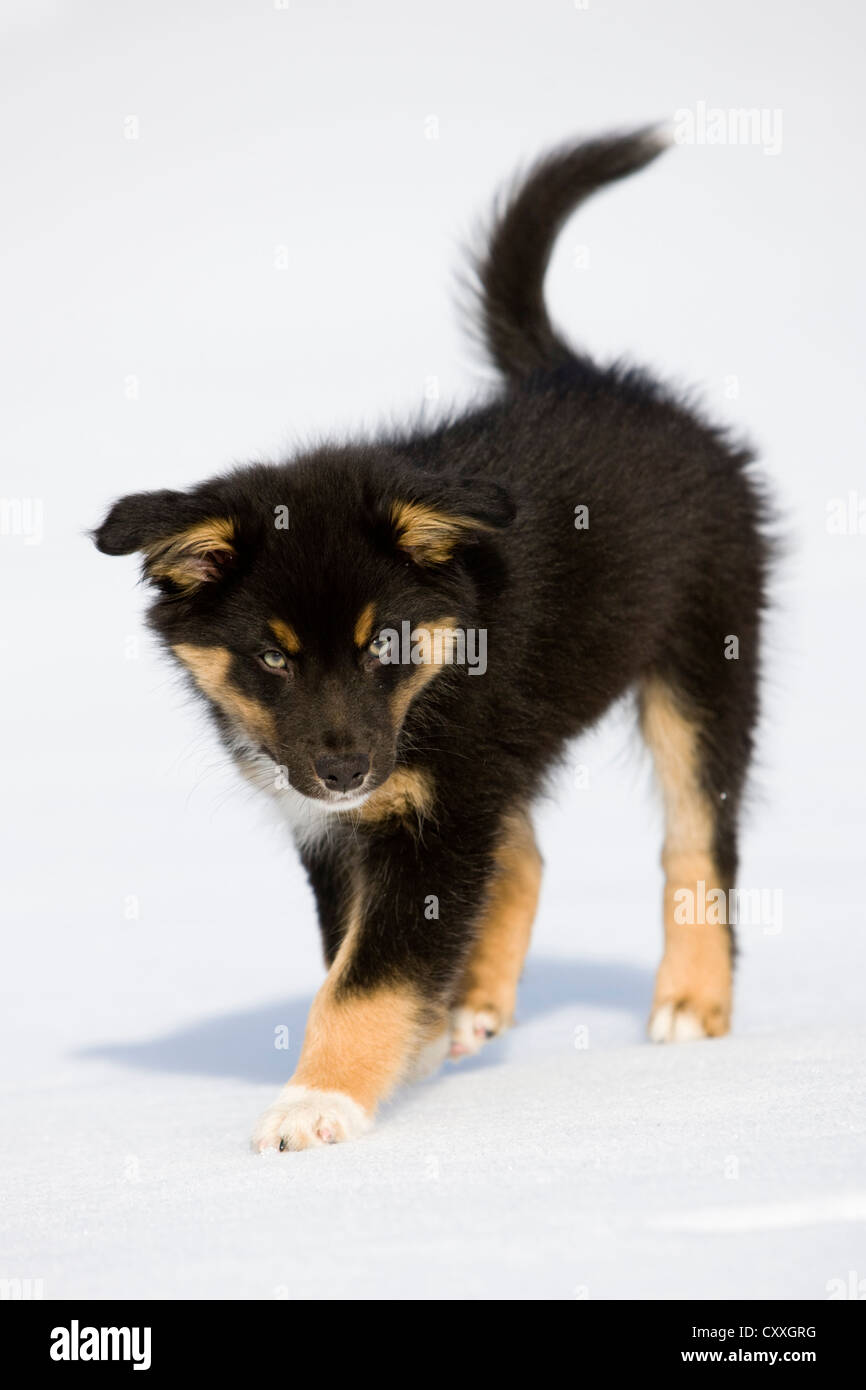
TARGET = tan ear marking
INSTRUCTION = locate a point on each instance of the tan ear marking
(428, 535)
(192, 557)
(285, 634)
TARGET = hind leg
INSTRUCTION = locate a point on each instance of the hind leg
(700, 742)
(487, 996)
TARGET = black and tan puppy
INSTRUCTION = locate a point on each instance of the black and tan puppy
(398, 636)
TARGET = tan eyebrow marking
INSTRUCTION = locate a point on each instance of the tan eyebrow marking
(364, 626)
(285, 634)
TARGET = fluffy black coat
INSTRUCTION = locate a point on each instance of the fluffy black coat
(599, 532)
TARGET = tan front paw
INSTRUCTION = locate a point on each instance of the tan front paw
(686, 1020)
(694, 986)
(303, 1118)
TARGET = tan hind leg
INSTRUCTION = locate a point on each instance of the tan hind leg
(693, 986)
(487, 996)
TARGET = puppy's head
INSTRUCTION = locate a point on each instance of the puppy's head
(314, 604)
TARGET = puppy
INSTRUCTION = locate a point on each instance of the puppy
(397, 637)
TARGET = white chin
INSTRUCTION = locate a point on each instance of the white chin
(335, 801)
(309, 817)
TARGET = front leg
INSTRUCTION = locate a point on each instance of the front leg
(409, 931)
(355, 1049)
(488, 992)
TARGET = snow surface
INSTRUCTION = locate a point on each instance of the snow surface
(159, 936)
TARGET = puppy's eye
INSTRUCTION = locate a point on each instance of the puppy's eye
(274, 660)
(379, 646)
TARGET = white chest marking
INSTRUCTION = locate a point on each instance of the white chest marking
(309, 821)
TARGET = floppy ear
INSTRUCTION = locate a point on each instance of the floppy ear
(185, 540)
(429, 528)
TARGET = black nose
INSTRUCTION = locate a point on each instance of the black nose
(343, 772)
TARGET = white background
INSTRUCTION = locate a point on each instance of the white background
(157, 929)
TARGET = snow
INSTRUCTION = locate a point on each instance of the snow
(159, 941)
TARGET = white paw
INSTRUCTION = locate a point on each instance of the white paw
(302, 1118)
(471, 1029)
(671, 1023)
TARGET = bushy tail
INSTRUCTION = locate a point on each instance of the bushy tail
(515, 326)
